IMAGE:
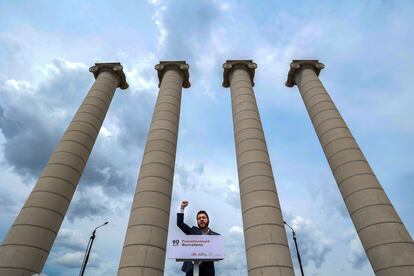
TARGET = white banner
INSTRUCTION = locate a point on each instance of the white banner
(196, 247)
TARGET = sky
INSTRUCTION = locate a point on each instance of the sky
(46, 48)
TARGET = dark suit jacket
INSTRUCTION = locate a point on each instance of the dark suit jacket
(206, 268)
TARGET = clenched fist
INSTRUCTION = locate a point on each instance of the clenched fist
(184, 204)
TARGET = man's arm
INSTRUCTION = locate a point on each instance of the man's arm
(180, 219)
(180, 223)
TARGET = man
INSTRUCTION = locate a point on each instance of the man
(206, 268)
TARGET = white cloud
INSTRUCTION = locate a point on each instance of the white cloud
(95, 203)
(154, 2)
(158, 20)
(32, 115)
(16, 47)
(183, 26)
(141, 75)
(105, 132)
(70, 259)
(225, 6)
(236, 230)
(11, 196)
(71, 239)
(358, 258)
(60, 66)
(313, 243)
(234, 262)
(203, 178)
(328, 194)
(19, 85)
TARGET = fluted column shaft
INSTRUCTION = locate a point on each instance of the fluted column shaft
(31, 237)
(266, 243)
(145, 243)
(384, 237)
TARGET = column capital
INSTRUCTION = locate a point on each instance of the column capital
(179, 66)
(113, 67)
(230, 65)
(298, 64)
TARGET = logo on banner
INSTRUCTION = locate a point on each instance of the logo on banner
(176, 242)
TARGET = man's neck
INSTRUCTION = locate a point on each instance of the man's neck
(205, 230)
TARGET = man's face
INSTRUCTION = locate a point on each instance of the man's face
(202, 220)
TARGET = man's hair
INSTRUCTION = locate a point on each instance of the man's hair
(202, 212)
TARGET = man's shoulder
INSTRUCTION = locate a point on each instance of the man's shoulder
(195, 230)
(213, 233)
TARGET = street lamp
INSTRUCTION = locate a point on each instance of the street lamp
(88, 249)
(296, 245)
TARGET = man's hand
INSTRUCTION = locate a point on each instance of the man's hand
(184, 204)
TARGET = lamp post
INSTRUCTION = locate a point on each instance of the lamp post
(88, 249)
(296, 245)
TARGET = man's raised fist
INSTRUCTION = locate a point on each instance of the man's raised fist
(184, 204)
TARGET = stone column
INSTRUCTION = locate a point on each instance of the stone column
(386, 241)
(266, 243)
(146, 238)
(28, 242)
